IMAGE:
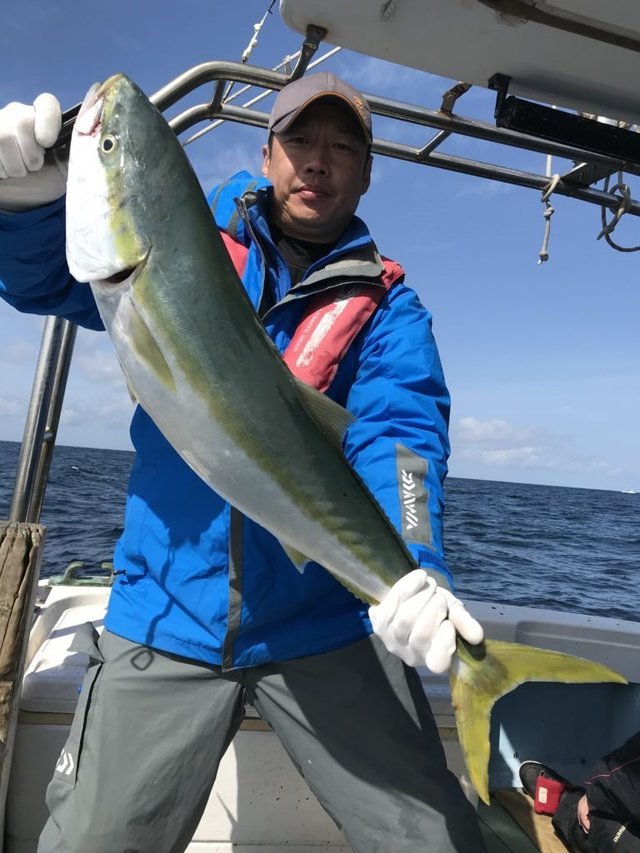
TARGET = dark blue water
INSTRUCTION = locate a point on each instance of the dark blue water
(542, 546)
(545, 546)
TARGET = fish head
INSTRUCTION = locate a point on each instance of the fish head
(113, 192)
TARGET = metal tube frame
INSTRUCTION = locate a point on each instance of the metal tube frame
(43, 417)
(572, 184)
(59, 335)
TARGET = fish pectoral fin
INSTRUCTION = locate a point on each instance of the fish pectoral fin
(147, 350)
(331, 417)
(132, 394)
(483, 674)
(298, 559)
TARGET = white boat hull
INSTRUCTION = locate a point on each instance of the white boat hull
(466, 40)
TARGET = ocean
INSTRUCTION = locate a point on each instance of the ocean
(513, 543)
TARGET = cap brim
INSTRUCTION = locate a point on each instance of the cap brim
(286, 121)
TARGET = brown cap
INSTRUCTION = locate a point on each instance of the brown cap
(296, 96)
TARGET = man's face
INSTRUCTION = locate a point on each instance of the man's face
(319, 168)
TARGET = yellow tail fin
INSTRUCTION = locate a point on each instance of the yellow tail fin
(480, 675)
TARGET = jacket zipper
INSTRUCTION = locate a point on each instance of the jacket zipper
(236, 518)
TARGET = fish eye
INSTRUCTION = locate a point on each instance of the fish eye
(107, 143)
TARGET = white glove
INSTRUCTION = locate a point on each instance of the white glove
(418, 620)
(27, 178)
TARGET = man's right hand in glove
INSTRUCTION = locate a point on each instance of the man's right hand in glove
(29, 175)
(419, 622)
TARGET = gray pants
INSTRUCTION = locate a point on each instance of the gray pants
(151, 728)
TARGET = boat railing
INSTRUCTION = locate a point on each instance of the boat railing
(589, 166)
(576, 182)
(42, 420)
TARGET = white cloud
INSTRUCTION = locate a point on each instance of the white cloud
(606, 468)
(11, 407)
(217, 162)
(113, 411)
(95, 359)
(484, 189)
(498, 444)
(518, 457)
(19, 352)
(473, 430)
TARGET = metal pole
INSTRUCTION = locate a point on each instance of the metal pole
(399, 151)
(41, 425)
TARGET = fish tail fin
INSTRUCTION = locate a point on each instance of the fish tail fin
(483, 674)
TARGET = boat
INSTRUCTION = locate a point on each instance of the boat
(259, 802)
(578, 54)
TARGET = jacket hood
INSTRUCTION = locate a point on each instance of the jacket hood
(222, 200)
(223, 203)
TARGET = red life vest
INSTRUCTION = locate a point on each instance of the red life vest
(330, 323)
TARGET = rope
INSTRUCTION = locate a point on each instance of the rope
(256, 32)
(253, 41)
(548, 212)
(265, 94)
(625, 203)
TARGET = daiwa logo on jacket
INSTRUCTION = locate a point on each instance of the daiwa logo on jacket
(412, 471)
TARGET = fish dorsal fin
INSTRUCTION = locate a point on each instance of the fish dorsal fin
(298, 559)
(480, 675)
(331, 417)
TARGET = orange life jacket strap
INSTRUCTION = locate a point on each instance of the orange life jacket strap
(330, 324)
(237, 252)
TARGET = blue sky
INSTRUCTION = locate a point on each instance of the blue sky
(543, 361)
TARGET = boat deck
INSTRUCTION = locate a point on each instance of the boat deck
(510, 825)
(247, 810)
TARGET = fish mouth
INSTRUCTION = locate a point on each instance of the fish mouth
(127, 274)
(89, 119)
(119, 277)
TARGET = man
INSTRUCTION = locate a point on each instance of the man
(206, 610)
(602, 815)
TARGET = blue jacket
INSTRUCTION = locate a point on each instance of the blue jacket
(195, 578)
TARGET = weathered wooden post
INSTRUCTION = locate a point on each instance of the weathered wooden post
(20, 556)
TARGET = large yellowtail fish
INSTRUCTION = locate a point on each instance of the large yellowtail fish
(200, 363)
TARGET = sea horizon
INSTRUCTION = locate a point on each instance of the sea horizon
(546, 546)
(449, 476)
